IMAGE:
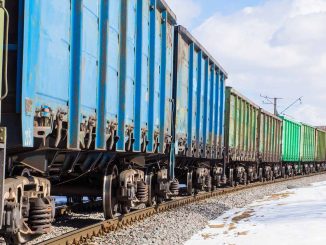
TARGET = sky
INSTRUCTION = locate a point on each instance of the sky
(275, 48)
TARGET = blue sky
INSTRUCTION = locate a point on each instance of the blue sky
(270, 47)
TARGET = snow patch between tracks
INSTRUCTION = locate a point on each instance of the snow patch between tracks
(295, 216)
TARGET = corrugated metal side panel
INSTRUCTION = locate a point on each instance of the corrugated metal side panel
(182, 95)
(216, 115)
(200, 92)
(46, 61)
(193, 113)
(142, 75)
(160, 77)
(201, 119)
(270, 137)
(211, 133)
(167, 83)
(109, 72)
(89, 68)
(60, 65)
(320, 155)
(308, 143)
(221, 110)
(206, 109)
(89, 56)
(291, 141)
(126, 115)
(241, 127)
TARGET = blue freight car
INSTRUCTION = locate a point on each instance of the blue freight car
(89, 104)
(199, 91)
(98, 69)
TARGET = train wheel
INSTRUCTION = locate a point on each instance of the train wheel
(261, 177)
(283, 172)
(151, 193)
(231, 179)
(272, 176)
(110, 187)
(208, 183)
(190, 190)
(245, 178)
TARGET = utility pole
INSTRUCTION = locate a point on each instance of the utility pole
(274, 102)
(271, 101)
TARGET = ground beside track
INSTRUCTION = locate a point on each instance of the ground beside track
(294, 216)
(179, 225)
(175, 226)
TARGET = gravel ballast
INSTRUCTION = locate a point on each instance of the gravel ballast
(178, 225)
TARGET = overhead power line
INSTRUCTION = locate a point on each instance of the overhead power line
(274, 101)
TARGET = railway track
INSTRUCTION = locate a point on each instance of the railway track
(85, 234)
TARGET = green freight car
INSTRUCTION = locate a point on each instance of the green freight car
(320, 152)
(270, 139)
(240, 127)
(308, 147)
(252, 139)
(291, 141)
(241, 133)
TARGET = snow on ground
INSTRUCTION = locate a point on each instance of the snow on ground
(296, 216)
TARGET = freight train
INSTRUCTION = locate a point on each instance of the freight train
(113, 99)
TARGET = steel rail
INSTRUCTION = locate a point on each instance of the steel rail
(83, 235)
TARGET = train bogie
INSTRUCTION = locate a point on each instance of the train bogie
(28, 208)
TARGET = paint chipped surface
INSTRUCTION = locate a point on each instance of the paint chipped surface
(290, 217)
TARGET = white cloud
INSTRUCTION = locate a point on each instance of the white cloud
(278, 49)
(186, 11)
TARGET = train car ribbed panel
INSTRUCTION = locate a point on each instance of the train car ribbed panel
(320, 155)
(291, 140)
(199, 91)
(308, 143)
(241, 127)
(99, 73)
(46, 64)
(270, 137)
